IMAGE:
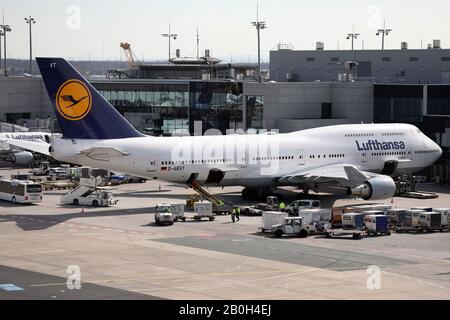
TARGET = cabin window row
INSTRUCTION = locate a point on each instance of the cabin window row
(390, 134)
(274, 158)
(165, 163)
(377, 154)
(325, 156)
(427, 151)
(356, 135)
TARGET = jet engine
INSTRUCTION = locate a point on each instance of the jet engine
(378, 188)
(22, 158)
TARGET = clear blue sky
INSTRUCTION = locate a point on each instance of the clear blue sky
(224, 25)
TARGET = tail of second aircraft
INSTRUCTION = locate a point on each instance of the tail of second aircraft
(81, 110)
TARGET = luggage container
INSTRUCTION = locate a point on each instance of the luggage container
(310, 216)
(178, 212)
(326, 215)
(353, 220)
(445, 216)
(336, 216)
(377, 225)
(431, 221)
(396, 217)
(272, 218)
(203, 209)
(412, 218)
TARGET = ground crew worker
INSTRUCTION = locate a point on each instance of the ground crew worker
(282, 206)
(233, 214)
(238, 213)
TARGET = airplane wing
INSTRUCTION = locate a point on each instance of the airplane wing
(344, 174)
(102, 153)
(39, 147)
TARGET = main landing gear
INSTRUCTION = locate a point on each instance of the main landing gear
(258, 194)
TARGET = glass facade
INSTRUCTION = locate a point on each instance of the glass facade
(439, 100)
(255, 112)
(218, 105)
(176, 105)
(167, 103)
(398, 103)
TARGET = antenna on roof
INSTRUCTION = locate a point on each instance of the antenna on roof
(198, 45)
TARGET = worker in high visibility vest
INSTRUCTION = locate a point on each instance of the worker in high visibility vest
(233, 214)
(282, 206)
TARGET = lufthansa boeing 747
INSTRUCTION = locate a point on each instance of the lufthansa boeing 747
(361, 158)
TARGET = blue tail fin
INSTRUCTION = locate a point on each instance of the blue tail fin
(81, 111)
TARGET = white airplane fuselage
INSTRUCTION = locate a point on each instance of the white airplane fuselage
(258, 160)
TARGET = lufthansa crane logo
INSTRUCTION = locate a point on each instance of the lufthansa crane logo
(73, 100)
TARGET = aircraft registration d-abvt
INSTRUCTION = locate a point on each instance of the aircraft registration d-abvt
(362, 158)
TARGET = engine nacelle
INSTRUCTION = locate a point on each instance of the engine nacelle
(23, 158)
(379, 188)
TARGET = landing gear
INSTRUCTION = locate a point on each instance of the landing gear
(259, 194)
(249, 194)
(304, 195)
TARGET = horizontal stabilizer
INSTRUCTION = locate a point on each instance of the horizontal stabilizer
(103, 153)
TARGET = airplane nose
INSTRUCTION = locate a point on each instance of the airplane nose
(440, 151)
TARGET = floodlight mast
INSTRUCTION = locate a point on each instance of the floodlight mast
(5, 28)
(170, 35)
(384, 33)
(259, 25)
(30, 20)
(353, 36)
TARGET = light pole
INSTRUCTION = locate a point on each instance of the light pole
(353, 36)
(170, 35)
(259, 25)
(384, 33)
(5, 28)
(30, 20)
(1, 35)
(89, 64)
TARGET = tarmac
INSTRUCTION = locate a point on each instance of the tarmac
(122, 254)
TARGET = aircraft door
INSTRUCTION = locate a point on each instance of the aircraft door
(364, 157)
(153, 162)
(301, 157)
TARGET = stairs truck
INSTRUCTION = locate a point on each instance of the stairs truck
(90, 193)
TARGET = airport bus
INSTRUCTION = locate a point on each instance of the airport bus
(20, 191)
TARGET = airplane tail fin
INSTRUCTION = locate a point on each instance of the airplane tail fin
(81, 110)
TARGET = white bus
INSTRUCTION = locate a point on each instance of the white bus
(19, 191)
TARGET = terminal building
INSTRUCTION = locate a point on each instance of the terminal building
(292, 100)
(402, 66)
